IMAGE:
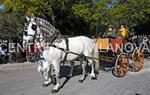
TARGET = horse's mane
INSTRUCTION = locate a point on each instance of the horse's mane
(46, 27)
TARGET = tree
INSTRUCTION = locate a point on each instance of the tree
(56, 11)
(16, 10)
(77, 17)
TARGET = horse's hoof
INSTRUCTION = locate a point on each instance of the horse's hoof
(80, 81)
(54, 91)
(45, 85)
(94, 78)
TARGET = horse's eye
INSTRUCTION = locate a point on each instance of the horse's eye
(34, 27)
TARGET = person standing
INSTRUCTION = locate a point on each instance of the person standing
(123, 31)
(2, 55)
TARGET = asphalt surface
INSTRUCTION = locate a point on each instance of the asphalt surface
(23, 79)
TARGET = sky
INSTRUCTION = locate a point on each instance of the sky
(1, 6)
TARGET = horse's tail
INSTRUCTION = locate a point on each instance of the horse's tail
(96, 56)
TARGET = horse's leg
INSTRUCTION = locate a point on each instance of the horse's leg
(83, 62)
(71, 69)
(92, 69)
(45, 69)
(83, 71)
(47, 75)
(57, 71)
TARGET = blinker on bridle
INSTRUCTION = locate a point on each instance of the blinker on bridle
(34, 27)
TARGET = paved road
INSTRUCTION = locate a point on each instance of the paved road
(23, 79)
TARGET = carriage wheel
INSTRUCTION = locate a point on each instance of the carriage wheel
(138, 60)
(121, 66)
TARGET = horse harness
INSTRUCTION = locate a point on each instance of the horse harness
(65, 50)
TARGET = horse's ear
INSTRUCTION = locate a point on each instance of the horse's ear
(27, 18)
(25, 27)
(32, 16)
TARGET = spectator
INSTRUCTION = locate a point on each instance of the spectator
(2, 55)
(2, 52)
(111, 31)
(123, 31)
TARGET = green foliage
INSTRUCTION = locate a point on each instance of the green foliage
(82, 11)
(18, 9)
(74, 16)
(112, 12)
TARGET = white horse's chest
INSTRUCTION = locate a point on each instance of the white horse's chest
(52, 54)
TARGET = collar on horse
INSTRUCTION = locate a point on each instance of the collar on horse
(63, 49)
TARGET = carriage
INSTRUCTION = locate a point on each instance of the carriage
(116, 56)
(115, 53)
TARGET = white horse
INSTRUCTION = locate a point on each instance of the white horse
(55, 54)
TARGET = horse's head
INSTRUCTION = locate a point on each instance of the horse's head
(31, 30)
(38, 30)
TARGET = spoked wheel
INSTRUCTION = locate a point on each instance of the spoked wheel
(121, 66)
(138, 60)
